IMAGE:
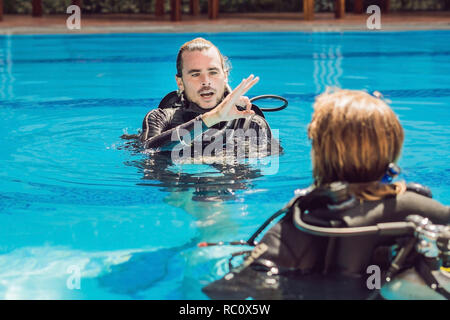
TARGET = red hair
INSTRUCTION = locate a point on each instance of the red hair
(354, 138)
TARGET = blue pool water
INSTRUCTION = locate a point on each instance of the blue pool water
(76, 200)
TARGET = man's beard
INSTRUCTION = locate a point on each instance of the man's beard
(219, 99)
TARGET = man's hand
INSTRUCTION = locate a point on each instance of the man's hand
(227, 110)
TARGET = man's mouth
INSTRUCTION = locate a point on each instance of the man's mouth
(207, 94)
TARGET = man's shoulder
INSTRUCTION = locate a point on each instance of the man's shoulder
(166, 107)
(156, 121)
(258, 118)
(259, 121)
(171, 100)
(160, 112)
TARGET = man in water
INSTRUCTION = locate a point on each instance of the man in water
(203, 103)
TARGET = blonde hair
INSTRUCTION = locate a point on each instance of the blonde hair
(199, 44)
(354, 138)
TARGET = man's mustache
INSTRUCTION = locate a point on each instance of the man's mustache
(206, 89)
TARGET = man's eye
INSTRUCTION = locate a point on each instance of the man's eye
(195, 74)
(213, 73)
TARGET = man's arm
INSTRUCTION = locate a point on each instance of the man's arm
(155, 135)
(265, 135)
(154, 123)
(155, 132)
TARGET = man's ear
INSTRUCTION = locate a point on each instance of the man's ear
(179, 83)
(227, 85)
(226, 82)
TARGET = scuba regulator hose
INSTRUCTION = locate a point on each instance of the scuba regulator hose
(251, 241)
(271, 96)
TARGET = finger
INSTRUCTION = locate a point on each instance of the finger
(243, 87)
(243, 82)
(248, 113)
(247, 85)
(239, 90)
(250, 84)
(242, 102)
(243, 114)
(248, 104)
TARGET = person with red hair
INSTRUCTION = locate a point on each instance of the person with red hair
(356, 141)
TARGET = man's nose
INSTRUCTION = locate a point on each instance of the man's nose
(205, 80)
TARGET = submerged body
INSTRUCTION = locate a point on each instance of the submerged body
(291, 264)
(356, 140)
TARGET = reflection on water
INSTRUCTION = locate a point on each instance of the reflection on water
(208, 182)
(198, 189)
(7, 78)
(327, 68)
(147, 272)
(205, 191)
(62, 103)
(211, 182)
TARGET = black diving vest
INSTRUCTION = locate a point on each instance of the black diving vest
(293, 249)
(291, 264)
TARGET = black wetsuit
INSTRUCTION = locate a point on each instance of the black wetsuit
(308, 268)
(161, 126)
(293, 249)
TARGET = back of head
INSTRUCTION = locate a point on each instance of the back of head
(354, 138)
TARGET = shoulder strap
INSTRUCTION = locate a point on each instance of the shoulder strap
(420, 189)
(257, 110)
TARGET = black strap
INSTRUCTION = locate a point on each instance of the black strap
(419, 189)
(251, 240)
(426, 272)
(331, 246)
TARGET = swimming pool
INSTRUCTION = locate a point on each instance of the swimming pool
(78, 203)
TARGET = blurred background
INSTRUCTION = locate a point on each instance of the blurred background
(225, 6)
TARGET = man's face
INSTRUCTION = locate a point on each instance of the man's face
(203, 78)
